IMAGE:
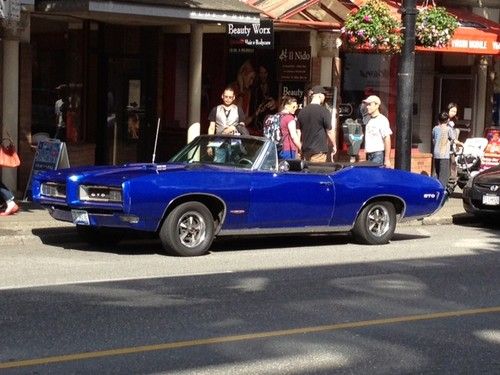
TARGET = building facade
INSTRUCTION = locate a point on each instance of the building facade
(114, 68)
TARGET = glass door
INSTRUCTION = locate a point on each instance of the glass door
(125, 110)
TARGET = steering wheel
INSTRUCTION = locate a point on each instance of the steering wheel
(245, 161)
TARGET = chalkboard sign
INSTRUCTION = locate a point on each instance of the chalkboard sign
(50, 155)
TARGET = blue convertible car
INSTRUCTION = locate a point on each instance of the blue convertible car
(235, 185)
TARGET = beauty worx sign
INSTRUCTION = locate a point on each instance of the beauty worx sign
(256, 35)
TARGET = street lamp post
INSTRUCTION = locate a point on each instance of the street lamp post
(406, 73)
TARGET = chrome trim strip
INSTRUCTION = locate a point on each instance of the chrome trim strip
(403, 211)
(237, 212)
(316, 229)
(224, 207)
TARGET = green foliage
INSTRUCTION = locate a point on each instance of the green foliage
(373, 27)
(434, 27)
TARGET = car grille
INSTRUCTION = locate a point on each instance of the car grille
(93, 193)
(53, 190)
(487, 188)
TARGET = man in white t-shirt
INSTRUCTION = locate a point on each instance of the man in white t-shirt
(377, 133)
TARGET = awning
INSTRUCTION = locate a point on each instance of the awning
(315, 14)
(155, 10)
(475, 35)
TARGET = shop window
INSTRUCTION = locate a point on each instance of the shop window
(57, 80)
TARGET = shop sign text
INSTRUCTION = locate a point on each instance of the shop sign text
(255, 35)
(294, 64)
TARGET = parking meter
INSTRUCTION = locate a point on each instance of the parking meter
(353, 136)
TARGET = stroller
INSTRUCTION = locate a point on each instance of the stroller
(468, 159)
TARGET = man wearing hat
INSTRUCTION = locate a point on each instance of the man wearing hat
(315, 122)
(377, 133)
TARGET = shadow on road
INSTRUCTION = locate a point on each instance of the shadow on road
(138, 243)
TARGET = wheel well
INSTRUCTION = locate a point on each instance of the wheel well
(398, 204)
(214, 204)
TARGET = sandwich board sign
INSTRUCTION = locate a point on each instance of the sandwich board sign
(50, 154)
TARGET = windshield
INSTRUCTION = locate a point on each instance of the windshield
(224, 150)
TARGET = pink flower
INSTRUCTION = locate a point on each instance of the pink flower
(367, 18)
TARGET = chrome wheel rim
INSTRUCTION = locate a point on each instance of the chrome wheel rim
(379, 221)
(191, 229)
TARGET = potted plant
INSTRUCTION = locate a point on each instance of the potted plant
(373, 27)
(434, 27)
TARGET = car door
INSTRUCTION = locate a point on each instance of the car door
(290, 199)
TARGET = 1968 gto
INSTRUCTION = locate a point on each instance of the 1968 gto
(235, 185)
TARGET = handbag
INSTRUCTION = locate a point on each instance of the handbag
(8, 154)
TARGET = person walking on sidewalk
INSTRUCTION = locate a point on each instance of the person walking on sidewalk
(8, 197)
(377, 133)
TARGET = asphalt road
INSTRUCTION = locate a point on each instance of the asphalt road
(428, 302)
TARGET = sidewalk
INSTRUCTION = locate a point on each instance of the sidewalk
(20, 228)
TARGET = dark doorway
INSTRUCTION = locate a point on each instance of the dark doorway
(458, 89)
(127, 94)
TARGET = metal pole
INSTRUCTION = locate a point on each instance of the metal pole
(406, 76)
(334, 109)
(156, 140)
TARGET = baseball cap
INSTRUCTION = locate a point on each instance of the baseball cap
(318, 90)
(372, 99)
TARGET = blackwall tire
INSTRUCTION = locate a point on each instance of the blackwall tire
(375, 224)
(188, 230)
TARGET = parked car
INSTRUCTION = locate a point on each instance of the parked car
(235, 185)
(481, 195)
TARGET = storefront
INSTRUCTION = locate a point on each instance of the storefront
(99, 74)
(460, 73)
(114, 69)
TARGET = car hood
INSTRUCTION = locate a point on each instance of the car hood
(489, 176)
(116, 175)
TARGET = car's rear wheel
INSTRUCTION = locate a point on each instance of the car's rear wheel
(99, 236)
(375, 224)
(188, 230)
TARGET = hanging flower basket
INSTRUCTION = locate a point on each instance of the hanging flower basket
(373, 27)
(434, 27)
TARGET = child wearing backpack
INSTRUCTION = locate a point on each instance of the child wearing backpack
(282, 129)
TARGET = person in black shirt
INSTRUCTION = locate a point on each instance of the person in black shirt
(315, 123)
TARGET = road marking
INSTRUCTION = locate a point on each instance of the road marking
(244, 337)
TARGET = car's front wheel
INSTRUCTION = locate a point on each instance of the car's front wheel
(375, 224)
(188, 230)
